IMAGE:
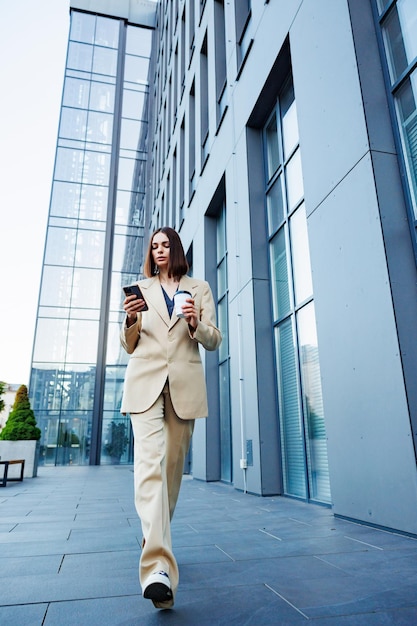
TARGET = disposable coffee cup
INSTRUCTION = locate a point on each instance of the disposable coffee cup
(180, 298)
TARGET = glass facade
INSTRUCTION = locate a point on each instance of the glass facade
(224, 356)
(398, 22)
(303, 437)
(93, 243)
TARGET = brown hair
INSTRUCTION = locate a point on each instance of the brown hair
(178, 265)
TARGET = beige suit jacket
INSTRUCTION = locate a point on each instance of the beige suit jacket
(163, 348)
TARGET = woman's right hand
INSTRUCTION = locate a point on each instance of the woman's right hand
(132, 306)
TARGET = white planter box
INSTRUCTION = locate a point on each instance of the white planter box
(28, 450)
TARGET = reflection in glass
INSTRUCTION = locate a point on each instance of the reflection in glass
(139, 41)
(73, 123)
(56, 286)
(275, 205)
(82, 27)
(303, 286)
(130, 134)
(90, 248)
(102, 97)
(133, 103)
(105, 61)
(69, 164)
(80, 56)
(294, 176)
(107, 32)
(290, 130)
(279, 275)
(82, 341)
(100, 127)
(86, 290)
(222, 320)
(96, 168)
(407, 113)
(76, 93)
(51, 340)
(136, 69)
(225, 423)
(313, 405)
(222, 277)
(93, 205)
(60, 246)
(65, 200)
(292, 438)
(400, 29)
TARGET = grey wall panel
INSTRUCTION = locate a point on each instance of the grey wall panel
(331, 122)
(371, 456)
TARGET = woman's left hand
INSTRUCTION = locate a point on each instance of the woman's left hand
(190, 313)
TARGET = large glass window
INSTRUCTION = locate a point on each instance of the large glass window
(224, 365)
(398, 22)
(81, 292)
(303, 438)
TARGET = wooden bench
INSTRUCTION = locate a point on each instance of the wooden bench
(3, 481)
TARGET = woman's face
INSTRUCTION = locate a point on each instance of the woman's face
(160, 250)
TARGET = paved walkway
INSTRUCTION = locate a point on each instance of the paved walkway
(69, 549)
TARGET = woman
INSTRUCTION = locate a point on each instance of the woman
(164, 393)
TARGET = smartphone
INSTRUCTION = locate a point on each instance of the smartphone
(135, 289)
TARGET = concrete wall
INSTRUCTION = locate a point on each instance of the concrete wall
(371, 455)
(354, 205)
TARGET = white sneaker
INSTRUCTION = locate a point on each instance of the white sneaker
(157, 587)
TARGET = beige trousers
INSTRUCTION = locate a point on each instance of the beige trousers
(161, 443)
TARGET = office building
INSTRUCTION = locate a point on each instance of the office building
(280, 140)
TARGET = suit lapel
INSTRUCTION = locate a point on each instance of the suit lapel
(153, 295)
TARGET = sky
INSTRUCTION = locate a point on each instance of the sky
(33, 44)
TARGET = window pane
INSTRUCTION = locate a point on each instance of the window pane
(133, 102)
(56, 286)
(82, 341)
(86, 291)
(76, 92)
(129, 134)
(294, 177)
(93, 205)
(105, 61)
(96, 168)
(69, 164)
(303, 286)
(82, 27)
(136, 69)
(272, 147)
(222, 320)
(400, 30)
(102, 97)
(225, 423)
(275, 206)
(279, 274)
(290, 130)
(60, 246)
(407, 114)
(100, 127)
(80, 56)
(51, 340)
(292, 440)
(90, 248)
(313, 405)
(65, 199)
(139, 41)
(73, 123)
(222, 277)
(107, 32)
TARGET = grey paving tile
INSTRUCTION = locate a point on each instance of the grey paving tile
(12, 567)
(23, 615)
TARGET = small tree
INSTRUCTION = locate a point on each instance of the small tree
(21, 423)
(2, 392)
(118, 440)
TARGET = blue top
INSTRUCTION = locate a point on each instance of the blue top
(169, 302)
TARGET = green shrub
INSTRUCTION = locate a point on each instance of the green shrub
(21, 423)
